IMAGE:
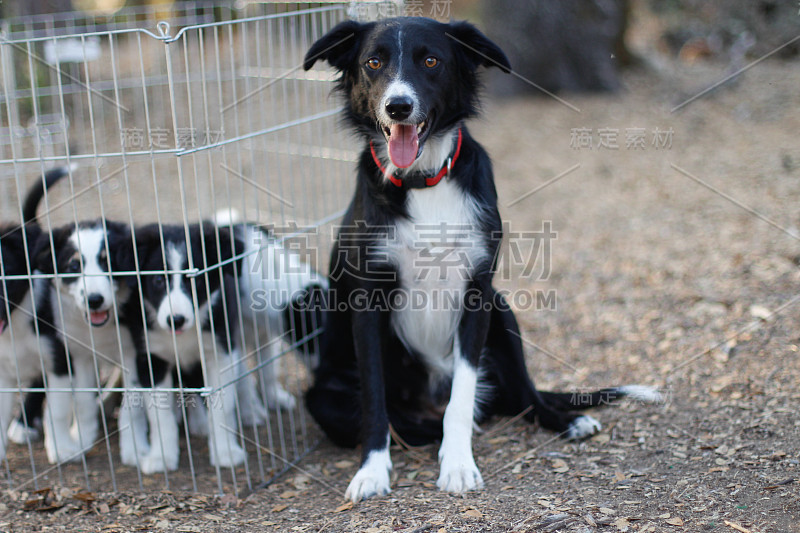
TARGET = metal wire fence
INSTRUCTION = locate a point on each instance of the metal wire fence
(168, 116)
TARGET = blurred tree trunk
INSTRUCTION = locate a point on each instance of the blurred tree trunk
(563, 45)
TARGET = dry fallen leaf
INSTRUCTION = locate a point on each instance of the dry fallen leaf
(607, 511)
(677, 521)
(280, 507)
(622, 524)
(560, 466)
(737, 527)
(473, 513)
(344, 507)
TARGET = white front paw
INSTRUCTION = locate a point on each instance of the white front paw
(131, 455)
(64, 451)
(279, 398)
(85, 436)
(197, 418)
(459, 474)
(157, 461)
(227, 454)
(19, 433)
(368, 481)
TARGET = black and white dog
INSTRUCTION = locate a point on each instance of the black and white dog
(79, 313)
(282, 299)
(425, 347)
(53, 337)
(20, 364)
(250, 278)
(176, 328)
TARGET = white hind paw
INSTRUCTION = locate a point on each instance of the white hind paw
(21, 434)
(582, 427)
(279, 398)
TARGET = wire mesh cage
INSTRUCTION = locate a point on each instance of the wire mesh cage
(162, 117)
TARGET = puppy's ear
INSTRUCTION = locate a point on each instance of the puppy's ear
(42, 251)
(229, 247)
(478, 48)
(338, 47)
(120, 243)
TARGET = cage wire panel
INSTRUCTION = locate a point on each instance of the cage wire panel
(171, 115)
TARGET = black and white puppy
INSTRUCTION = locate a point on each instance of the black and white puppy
(282, 298)
(20, 363)
(410, 341)
(176, 327)
(79, 312)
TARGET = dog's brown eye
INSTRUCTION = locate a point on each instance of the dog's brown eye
(431, 61)
(374, 63)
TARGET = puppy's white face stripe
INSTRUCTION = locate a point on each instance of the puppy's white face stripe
(90, 243)
(177, 302)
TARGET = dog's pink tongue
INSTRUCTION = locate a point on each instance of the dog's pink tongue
(403, 145)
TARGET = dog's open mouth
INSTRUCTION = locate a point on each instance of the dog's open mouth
(99, 318)
(405, 142)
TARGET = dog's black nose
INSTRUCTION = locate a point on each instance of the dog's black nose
(178, 321)
(95, 300)
(399, 107)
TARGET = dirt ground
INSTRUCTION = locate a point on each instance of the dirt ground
(674, 266)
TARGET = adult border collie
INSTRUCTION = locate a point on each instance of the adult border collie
(424, 190)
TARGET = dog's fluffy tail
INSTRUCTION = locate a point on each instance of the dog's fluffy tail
(578, 401)
(36, 192)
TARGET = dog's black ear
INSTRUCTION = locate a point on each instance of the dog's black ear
(476, 46)
(120, 243)
(42, 250)
(218, 245)
(338, 47)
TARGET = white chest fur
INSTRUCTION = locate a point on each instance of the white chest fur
(435, 252)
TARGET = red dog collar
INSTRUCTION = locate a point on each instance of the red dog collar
(429, 181)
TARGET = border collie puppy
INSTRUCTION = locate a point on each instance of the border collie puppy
(20, 348)
(79, 314)
(281, 298)
(176, 327)
(411, 342)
